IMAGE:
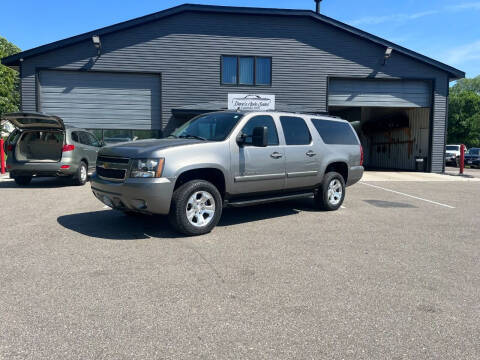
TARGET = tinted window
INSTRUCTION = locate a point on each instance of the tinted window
(75, 136)
(83, 137)
(295, 130)
(474, 151)
(335, 132)
(263, 71)
(246, 70)
(213, 126)
(453, 147)
(261, 120)
(229, 70)
(93, 141)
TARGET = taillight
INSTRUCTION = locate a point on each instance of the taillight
(68, 148)
(361, 155)
(9, 147)
(65, 167)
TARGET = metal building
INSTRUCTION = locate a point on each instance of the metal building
(146, 76)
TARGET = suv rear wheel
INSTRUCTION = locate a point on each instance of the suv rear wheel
(81, 177)
(196, 207)
(23, 180)
(331, 193)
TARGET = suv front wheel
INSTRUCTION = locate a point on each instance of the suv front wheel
(331, 193)
(196, 207)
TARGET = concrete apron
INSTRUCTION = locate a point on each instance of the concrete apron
(412, 176)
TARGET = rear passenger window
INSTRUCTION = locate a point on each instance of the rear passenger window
(261, 120)
(295, 130)
(75, 136)
(335, 132)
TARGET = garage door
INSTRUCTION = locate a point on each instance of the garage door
(379, 93)
(97, 100)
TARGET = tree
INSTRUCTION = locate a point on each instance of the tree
(9, 80)
(466, 85)
(464, 117)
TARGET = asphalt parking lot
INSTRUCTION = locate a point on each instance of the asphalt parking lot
(394, 274)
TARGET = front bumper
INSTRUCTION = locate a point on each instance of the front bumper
(146, 195)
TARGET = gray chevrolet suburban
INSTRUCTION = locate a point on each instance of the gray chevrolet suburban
(230, 159)
(41, 145)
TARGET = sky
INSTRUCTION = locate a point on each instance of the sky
(446, 30)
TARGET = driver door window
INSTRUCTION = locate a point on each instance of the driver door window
(260, 121)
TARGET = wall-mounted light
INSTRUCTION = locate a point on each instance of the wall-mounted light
(97, 43)
(388, 54)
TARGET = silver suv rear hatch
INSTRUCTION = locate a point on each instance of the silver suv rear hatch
(24, 121)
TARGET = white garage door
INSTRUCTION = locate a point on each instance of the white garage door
(98, 100)
(379, 93)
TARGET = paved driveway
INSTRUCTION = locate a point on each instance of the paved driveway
(395, 274)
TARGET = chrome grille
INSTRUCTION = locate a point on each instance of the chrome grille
(112, 168)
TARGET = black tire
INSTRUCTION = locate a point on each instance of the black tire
(178, 210)
(23, 180)
(322, 199)
(78, 178)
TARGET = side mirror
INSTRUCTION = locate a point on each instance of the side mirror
(241, 139)
(260, 136)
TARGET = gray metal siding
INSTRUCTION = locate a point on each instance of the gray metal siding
(186, 49)
(101, 100)
(379, 93)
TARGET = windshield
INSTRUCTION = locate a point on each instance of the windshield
(453, 147)
(212, 127)
(473, 152)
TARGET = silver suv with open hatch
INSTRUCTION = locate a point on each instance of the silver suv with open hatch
(230, 159)
(41, 145)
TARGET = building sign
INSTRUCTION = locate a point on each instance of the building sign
(253, 102)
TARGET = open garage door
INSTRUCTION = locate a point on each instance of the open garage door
(391, 117)
(100, 100)
(379, 93)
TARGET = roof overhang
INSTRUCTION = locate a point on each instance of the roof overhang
(14, 60)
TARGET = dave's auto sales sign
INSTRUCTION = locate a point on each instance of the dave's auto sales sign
(252, 102)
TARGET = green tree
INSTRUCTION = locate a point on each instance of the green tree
(464, 118)
(9, 80)
(466, 85)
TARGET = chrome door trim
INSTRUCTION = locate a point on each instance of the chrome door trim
(302, 174)
(259, 177)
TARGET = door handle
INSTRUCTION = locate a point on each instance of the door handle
(276, 155)
(310, 153)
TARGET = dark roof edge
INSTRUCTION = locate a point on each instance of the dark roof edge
(14, 60)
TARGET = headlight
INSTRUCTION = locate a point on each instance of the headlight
(147, 168)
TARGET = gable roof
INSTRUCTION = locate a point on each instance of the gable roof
(14, 60)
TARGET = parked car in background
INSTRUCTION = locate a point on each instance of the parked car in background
(41, 145)
(450, 159)
(453, 149)
(230, 159)
(472, 157)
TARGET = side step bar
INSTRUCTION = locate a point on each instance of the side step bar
(266, 200)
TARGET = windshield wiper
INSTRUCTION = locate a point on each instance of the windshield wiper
(192, 137)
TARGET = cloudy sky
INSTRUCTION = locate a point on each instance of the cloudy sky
(446, 30)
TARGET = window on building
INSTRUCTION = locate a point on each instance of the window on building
(295, 130)
(246, 70)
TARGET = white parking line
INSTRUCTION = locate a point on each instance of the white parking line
(410, 196)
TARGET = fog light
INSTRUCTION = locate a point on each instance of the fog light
(139, 204)
(107, 201)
